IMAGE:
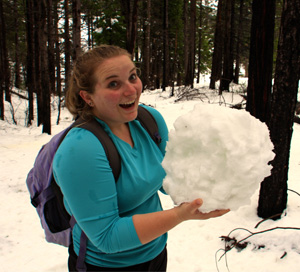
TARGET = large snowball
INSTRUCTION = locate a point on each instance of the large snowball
(218, 154)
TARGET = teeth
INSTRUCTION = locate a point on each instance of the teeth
(129, 103)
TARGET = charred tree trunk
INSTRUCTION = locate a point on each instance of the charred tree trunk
(261, 58)
(273, 192)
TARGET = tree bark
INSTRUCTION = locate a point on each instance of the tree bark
(76, 28)
(218, 48)
(17, 82)
(227, 74)
(146, 51)
(57, 59)
(190, 44)
(45, 78)
(50, 47)
(238, 42)
(273, 192)
(38, 25)
(200, 41)
(186, 37)
(67, 50)
(2, 60)
(129, 9)
(261, 58)
(6, 82)
(166, 63)
(30, 79)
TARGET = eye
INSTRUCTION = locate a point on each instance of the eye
(113, 84)
(133, 77)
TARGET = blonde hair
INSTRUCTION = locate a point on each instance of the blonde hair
(83, 77)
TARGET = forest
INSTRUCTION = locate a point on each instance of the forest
(172, 43)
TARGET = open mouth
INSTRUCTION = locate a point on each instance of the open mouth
(127, 105)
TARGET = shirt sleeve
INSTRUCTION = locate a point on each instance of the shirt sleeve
(82, 171)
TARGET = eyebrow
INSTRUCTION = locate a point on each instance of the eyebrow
(113, 76)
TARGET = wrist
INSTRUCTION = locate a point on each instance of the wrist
(179, 214)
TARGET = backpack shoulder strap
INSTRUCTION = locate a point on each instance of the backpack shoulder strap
(110, 149)
(149, 124)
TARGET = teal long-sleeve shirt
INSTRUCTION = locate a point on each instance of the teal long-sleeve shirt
(103, 208)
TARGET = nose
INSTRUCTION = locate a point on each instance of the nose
(130, 89)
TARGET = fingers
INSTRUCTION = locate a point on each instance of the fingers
(213, 214)
(191, 210)
(197, 203)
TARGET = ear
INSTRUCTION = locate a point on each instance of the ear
(85, 96)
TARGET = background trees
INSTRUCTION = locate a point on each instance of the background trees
(172, 42)
(39, 45)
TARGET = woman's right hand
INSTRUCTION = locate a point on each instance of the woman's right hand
(152, 225)
(190, 210)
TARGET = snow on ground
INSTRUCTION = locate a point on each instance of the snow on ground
(193, 246)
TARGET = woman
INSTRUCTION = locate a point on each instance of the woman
(124, 221)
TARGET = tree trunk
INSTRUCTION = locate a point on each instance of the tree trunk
(38, 30)
(30, 79)
(67, 50)
(199, 41)
(129, 10)
(186, 37)
(76, 28)
(2, 61)
(261, 58)
(218, 48)
(50, 47)
(273, 192)
(237, 55)
(45, 83)
(146, 51)
(227, 74)
(132, 41)
(190, 45)
(4, 58)
(166, 63)
(17, 82)
(57, 59)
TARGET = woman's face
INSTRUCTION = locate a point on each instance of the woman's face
(117, 91)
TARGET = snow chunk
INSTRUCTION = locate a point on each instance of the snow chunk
(218, 154)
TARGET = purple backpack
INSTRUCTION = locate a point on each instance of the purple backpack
(46, 195)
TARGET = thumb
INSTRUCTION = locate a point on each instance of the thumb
(197, 203)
